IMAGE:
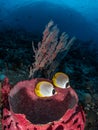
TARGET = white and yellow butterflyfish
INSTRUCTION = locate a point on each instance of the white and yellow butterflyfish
(44, 89)
(61, 80)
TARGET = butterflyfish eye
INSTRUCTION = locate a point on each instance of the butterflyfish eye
(44, 89)
(61, 80)
(53, 91)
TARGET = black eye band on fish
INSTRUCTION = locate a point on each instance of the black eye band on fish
(53, 91)
(67, 85)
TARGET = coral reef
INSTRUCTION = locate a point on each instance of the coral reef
(78, 67)
(24, 110)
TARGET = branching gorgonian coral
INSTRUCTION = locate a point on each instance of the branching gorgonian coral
(49, 49)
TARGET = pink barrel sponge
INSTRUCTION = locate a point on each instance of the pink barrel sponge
(24, 110)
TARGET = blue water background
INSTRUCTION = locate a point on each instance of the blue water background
(77, 17)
